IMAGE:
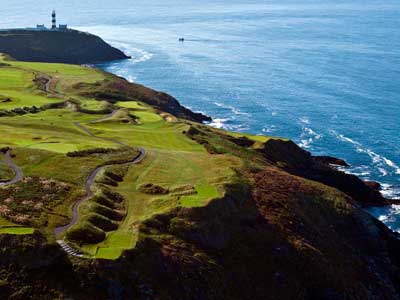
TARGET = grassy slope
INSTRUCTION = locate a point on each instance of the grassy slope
(17, 89)
(40, 142)
(6, 173)
(271, 235)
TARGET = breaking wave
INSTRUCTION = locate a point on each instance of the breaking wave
(219, 123)
(234, 110)
(308, 135)
(390, 191)
(382, 163)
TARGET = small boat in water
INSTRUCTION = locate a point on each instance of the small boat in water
(181, 39)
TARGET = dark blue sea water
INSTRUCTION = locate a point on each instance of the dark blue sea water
(324, 73)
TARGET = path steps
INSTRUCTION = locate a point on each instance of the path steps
(67, 248)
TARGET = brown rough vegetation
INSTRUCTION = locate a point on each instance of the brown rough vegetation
(153, 189)
(273, 236)
(297, 161)
(29, 201)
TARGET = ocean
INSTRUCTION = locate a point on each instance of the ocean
(323, 73)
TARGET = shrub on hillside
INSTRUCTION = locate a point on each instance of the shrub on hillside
(87, 233)
(153, 189)
(114, 196)
(114, 176)
(102, 222)
(103, 200)
(87, 152)
(106, 212)
(106, 180)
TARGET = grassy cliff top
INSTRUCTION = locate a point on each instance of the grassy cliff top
(62, 121)
(145, 202)
(69, 46)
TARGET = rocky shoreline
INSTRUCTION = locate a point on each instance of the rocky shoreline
(324, 169)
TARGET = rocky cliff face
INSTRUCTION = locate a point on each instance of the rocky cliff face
(70, 46)
(119, 89)
(278, 236)
(297, 161)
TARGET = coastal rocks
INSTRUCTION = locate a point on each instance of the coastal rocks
(329, 160)
(297, 161)
(373, 185)
(240, 141)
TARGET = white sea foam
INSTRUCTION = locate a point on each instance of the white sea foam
(130, 78)
(234, 110)
(238, 127)
(269, 129)
(308, 136)
(140, 56)
(392, 164)
(383, 166)
(390, 191)
(112, 36)
(305, 143)
(382, 171)
(304, 120)
(382, 163)
(219, 123)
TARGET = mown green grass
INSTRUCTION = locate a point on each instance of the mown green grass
(115, 244)
(175, 170)
(23, 99)
(153, 132)
(79, 73)
(52, 130)
(17, 230)
(15, 79)
(7, 227)
(204, 192)
(173, 160)
(94, 105)
(18, 90)
(65, 76)
(131, 104)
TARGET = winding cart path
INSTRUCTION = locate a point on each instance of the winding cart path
(18, 172)
(89, 193)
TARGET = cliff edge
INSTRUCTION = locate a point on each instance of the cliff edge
(70, 46)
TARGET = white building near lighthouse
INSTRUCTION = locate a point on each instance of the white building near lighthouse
(61, 27)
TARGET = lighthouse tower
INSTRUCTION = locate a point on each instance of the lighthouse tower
(53, 20)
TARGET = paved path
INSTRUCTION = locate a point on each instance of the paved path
(89, 193)
(18, 172)
(79, 125)
(110, 115)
